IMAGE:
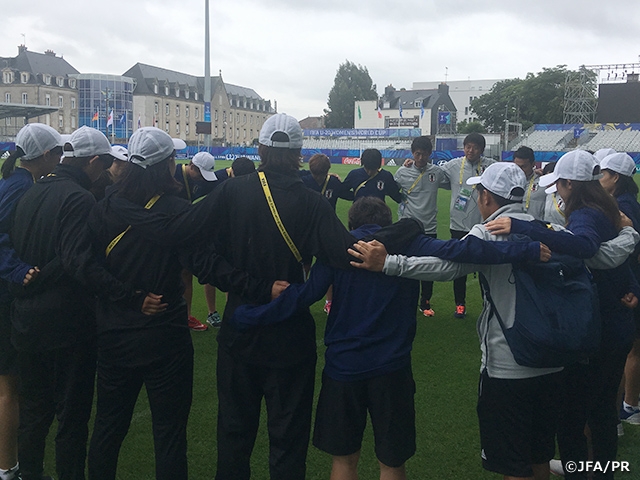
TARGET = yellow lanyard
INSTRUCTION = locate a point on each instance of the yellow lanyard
(365, 182)
(416, 182)
(555, 204)
(464, 159)
(324, 187)
(276, 217)
(186, 181)
(529, 190)
(115, 241)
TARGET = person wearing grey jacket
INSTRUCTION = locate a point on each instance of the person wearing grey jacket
(517, 405)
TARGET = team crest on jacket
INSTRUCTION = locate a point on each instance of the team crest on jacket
(328, 193)
(380, 185)
(432, 177)
(535, 187)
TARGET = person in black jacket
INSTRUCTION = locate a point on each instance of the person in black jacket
(53, 318)
(134, 348)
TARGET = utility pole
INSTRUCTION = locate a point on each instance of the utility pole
(207, 76)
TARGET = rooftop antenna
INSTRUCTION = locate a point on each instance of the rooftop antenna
(24, 38)
(446, 74)
(207, 71)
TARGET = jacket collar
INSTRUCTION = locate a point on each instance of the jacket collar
(70, 172)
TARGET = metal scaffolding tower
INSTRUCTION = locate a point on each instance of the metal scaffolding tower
(580, 93)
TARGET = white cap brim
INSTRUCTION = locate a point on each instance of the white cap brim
(473, 180)
(551, 189)
(548, 179)
(179, 144)
(208, 176)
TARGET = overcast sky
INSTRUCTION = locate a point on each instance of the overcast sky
(289, 50)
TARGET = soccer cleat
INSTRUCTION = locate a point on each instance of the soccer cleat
(214, 320)
(555, 467)
(428, 312)
(196, 325)
(461, 311)
(631, 416)
(327, 307)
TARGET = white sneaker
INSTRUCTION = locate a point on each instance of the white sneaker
(555, 466)
(620, 430)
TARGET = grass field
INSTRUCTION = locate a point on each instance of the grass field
(446, 360)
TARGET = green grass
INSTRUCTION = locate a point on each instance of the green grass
(446, 361)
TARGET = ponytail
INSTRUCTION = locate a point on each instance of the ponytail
(9, 164)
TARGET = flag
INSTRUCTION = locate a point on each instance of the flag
(400, 109)
(421, 111)
(379, 112)
(95, 117)
(139, 123)
(359, 113)
(110, 119)
(123, 118)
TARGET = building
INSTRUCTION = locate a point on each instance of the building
(102, 96)
(174, 102)
(39, 79)
(430, 110)
(462, 93)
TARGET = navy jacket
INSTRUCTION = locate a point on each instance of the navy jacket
(380, 185)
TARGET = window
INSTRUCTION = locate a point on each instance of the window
(166, 90)
(60, 81)
(24, 77)
(7, 77)
(216, 132)
(47, 79)
(466, 110)
(186, 111)
(73, 103)
(237, 133)
(73, 122)
(177, 91)
(197, 113)
(7, 121)
(237, 118)
(7, 97)
(177, 128)
(195, 95)
(72, 83)
(155, 89)
(186, 129)
(186, 94)
(244, 133)
(215, 115)
(155, 107)
(60, 101)
(47, 100)
(25, 97)
(166, 109)
(177, 110)
(166, 127)
(224, 116)
(244, 118)
(60, 121)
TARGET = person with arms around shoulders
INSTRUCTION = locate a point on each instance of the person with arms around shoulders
(39, 148)
(419, 185)
(534, 197)
(464, 212)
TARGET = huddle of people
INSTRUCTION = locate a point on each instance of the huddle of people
(97, 290)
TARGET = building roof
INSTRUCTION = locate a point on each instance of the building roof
(147, 75)
(428, 98)
(38, 63)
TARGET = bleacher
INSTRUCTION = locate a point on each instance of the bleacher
(545, 140)
(619, 140)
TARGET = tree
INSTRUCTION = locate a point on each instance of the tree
(352, 83)
(470, 127)
(539, 98)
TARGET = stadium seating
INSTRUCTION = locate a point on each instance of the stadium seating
(545, 140)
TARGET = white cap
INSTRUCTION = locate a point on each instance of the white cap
(603, 152)
(120, 153)
(179, 144)
(281, 131)
(621, 163)
(36, 138)
(206, 164)
(150, 145)
(87, 142)
(577, 165)
(504, 179)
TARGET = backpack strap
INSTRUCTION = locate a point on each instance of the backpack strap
(276, 217)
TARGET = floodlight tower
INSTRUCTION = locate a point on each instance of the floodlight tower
(207, 74)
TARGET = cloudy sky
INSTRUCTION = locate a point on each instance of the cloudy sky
(289, 50)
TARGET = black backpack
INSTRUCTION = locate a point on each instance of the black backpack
(557, 321)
